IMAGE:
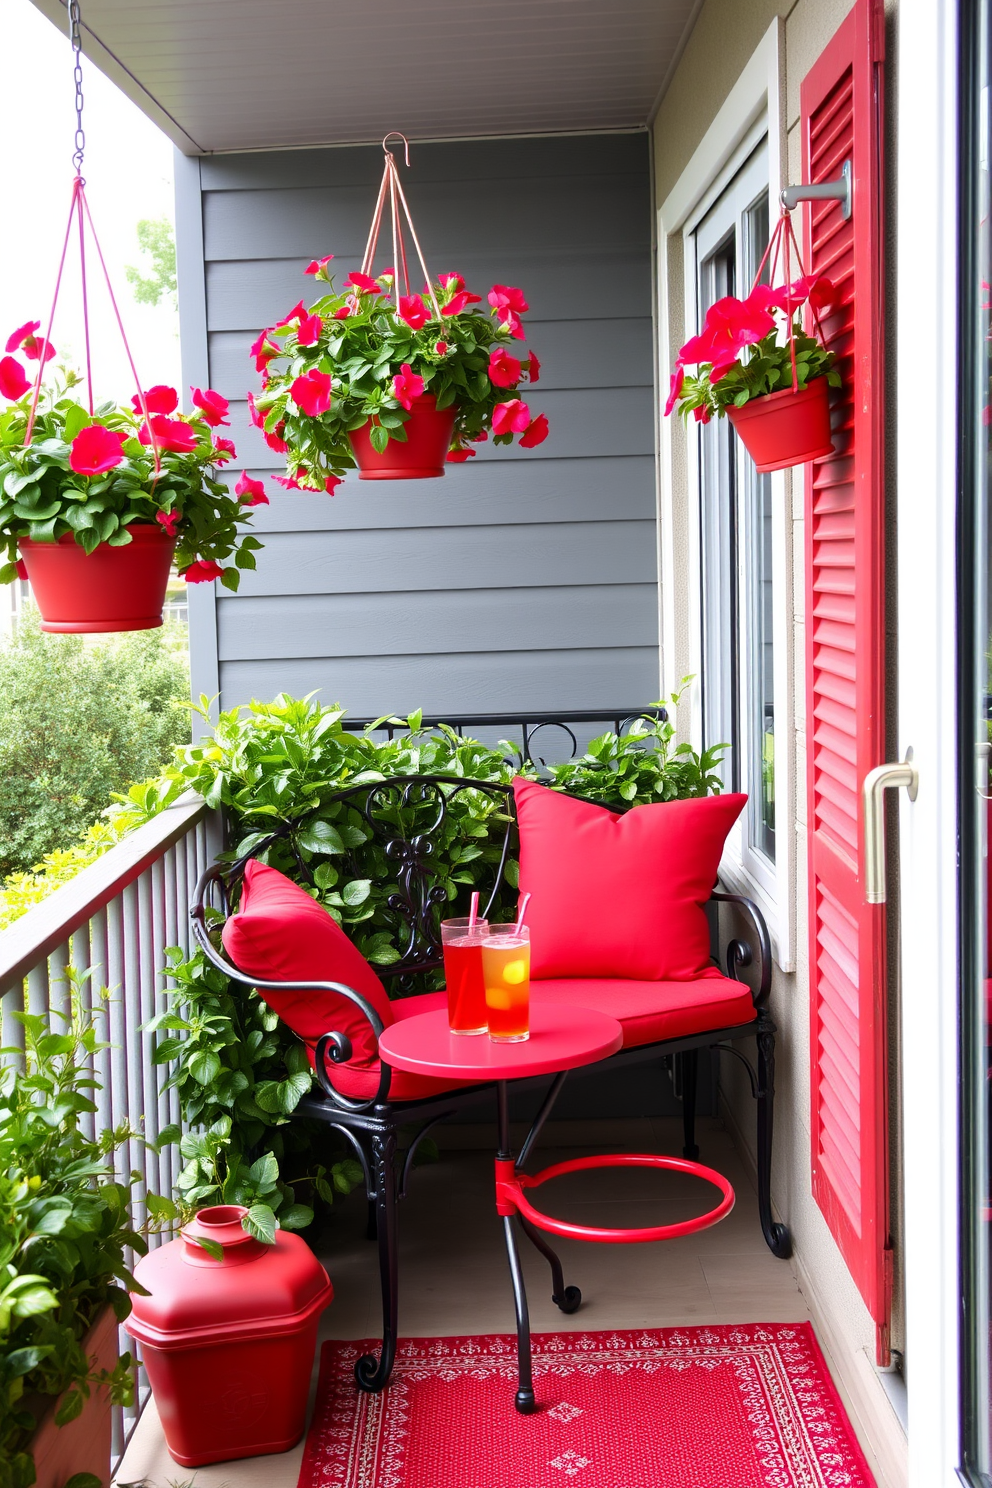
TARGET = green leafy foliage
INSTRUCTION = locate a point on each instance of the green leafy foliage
(362, 346)
(157, 241)
(80, 722)
(43, 498)
(65, 1230)
(767, 369)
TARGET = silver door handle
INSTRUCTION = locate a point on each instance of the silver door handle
(877, 782)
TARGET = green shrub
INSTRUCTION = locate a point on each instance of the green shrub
(80, 721)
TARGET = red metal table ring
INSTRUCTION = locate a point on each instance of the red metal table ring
(561, 1040)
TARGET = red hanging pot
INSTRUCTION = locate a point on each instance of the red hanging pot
(423, 456)
(228, 1344)
(108, 589)
(787, 428)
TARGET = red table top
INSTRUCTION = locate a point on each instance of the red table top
(560, 1039)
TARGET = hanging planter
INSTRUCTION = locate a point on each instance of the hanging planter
(399, 384)
(95, 503)
(767, 375)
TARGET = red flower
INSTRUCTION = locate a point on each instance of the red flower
(459, 456)
(451, 282)
(170, 434)
(223, 451)
(363, 283)
(822, 293)
(275, 440)
(331, 484)
(13, 383)
(407, 386)
(535, 433)
(702, 414)
(730, 325)
(318, 264)
(308, 332)
(457, 303)
(413, 311)
(312, 393)
(24, 339)
(386, 277)
(158, 399)
(213, 408)
(533, 368)
(250, 492)
(257, 418)
(201, 572)
(504, 297)
(675, 387)
(504, 369)
(297, 313)
(344, 312)
(95, 450)
(510, 321)
(511, 418)
(441, 348)
(263, 350)
(169, 520)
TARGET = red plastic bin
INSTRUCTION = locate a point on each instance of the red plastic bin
(229, 1344)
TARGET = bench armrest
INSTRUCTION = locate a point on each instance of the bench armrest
(740, 953)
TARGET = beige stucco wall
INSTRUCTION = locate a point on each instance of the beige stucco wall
(726, 35)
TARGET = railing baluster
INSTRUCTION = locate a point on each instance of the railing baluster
(143, 1002)
(37, 998)
(100, 1008)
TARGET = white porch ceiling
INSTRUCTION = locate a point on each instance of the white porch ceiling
(277, 74)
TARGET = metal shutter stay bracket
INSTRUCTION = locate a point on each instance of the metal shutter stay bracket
(839, 190)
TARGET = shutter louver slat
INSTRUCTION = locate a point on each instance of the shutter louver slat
(840, 119)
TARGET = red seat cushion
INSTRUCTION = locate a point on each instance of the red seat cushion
(649, 1011)
(620, 894)
(362, 1084)
(280, 934)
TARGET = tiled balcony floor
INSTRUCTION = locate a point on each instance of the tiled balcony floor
(454, 1278)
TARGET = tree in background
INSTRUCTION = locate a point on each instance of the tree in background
(80, 720)
(157, 239)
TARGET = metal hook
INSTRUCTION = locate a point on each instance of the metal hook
(839, 190)
(406, 145)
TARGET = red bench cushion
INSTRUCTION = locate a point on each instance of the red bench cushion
(649, 1011)
(620, 894)
(362, 1084)
(280, 934)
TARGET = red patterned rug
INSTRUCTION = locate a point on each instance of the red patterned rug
(730, 1407)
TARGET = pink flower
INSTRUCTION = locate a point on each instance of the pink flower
(331, 484)
(458, 301)
(250, 492)
(95, 450)
(386, 277)
(533, 368)
(213, 408)
(535, 433)
(511, 418)
(298, 311)
(24, 339)
(510, 321)
(459, 456)
(344, 312)
(263, 350)
(702, 414)
(675, 387)
(170, 434)
(13, 383)
(308, 333)
(257, 418)
(158, 399)
(223, 451)
(413, 311)
(318, 265)
(504, 369)
(441, 348)
(312, 392)
(275, 440)
(407, 386)
(504, 297)
(363, 283)
(201, 572)
(169, 520)
(451, 282)
(730, 325)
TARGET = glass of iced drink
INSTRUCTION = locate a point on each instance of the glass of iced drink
(461, 944)
(506, 968)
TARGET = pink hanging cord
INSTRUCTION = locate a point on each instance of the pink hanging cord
(391, 184)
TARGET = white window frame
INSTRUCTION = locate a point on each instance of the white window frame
(753, 109)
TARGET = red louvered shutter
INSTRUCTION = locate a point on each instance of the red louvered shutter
(841, 103)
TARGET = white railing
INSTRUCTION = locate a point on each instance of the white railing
(114, 920)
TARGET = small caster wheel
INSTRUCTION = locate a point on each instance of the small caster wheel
(569, 1301)
(525, 1402)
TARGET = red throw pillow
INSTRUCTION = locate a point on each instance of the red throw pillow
(619, 895)
(280, 934)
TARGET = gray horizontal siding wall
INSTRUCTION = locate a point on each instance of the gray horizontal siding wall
(522, 581)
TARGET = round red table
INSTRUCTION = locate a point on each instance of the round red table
(561, 1039)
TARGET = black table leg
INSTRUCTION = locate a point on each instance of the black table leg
(524, 1399)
